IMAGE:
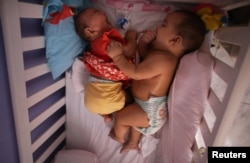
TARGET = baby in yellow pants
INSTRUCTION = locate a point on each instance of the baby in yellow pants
(103, 96)
(105, 90)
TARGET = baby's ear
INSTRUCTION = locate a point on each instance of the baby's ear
(89, 32)
(176, 40)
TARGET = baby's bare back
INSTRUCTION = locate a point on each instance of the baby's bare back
(158, 85)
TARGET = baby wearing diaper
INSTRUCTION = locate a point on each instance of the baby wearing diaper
(160, 52)
(156, 110)
(105, 91)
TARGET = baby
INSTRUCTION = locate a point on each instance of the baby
(104, 91)
(180, 33)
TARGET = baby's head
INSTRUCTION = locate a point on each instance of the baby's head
(90, 23)
(181, 32)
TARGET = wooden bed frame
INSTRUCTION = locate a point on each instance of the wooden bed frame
(34, 149)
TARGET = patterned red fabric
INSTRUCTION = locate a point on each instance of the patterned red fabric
(99, 68)
(98, 63)
(63, 14)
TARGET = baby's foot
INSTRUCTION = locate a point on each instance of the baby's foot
(107, 118)
(129, 146)
(113, 136)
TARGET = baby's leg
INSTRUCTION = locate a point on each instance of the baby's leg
(131, 115)
(132, 142)
(114, 136)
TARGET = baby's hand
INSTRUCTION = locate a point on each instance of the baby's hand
(131, 34)
(114, 49)
(148, 37)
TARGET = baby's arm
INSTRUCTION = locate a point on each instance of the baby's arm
(144, 41)
(130, 48)
(145, 70)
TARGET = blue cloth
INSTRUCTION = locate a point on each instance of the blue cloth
(78, 4)
(63, 44)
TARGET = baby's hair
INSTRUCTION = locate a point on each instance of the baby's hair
(192, 29)
(80, 25)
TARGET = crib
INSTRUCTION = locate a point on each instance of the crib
(42, 106)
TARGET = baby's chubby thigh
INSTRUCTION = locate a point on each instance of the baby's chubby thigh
(132, 115)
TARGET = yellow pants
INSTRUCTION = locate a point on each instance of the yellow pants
(104, 98)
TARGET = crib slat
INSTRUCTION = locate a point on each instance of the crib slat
(27, 10)
(209, 117)
(232, 35)
(204, 130)
(196, 153)
(51, 110)
(214, 102)
(48, 133)
(236, 5)
(236, 89)
(32, 43)
(219, 86)
(223, 70)
(36, 71)
(32, 100)
(51, 148)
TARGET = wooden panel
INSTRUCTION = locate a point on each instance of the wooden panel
(32, 100)
(48, 133)
(36, 71)
(27, 10)
(32, 43)
(37, 121)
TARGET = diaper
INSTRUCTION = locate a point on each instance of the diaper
(104, 97)
(156, 110)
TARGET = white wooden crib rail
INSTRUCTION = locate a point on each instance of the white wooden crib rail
(229, 83)
(213, 131)
(15, 46)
